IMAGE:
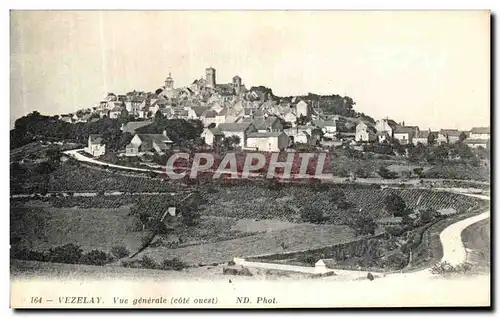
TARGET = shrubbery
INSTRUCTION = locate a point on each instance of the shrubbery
(66, 254)
(149, 263)
(96, 257)
(445, 269)
(120, 251)
(69, 253)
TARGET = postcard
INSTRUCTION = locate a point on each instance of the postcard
(250, 159)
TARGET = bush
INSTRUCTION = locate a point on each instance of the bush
(148, 262)
(445, 269)
(96, 257)
(120, 251)
(386, 173)
(27, 255)
(364, 225)
(398, 260)
(395, 230)
(173, 264)
(307, 259)
(69, 253)
(312, 215)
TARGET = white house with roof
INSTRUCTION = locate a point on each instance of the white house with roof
(329, 127)
(237, 129)
(302, 108)
(273, 141)
(291, 117)
(365, 132)
(422, 137)
(405, 134)
(452, 135)
(212, 136)
(387, 125)
(297, 134)
(115, 112)
(96, 146)
(480, 133)
(476, 143)
(208, 117)
(142, 143)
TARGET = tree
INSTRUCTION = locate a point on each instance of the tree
(158, 115)
(69, 253)
(302, 120)
(395, 205)
(231, 141)
(419, 172)
(149, 209)
(363, 225)
(312, 215)
(431, 139)
(386, 173)
(462, 137)
(190, 209)
(159, 91)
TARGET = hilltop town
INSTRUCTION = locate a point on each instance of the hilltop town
(92, 185)
(256, 119)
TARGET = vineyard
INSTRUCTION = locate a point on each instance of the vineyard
(286, 202)
(459, 171)
(76, 178)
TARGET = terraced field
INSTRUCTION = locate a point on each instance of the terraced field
(286, 203)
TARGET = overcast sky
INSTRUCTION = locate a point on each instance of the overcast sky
(430, 69)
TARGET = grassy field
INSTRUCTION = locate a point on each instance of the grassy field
(21, 270)
(477, 239)
(45, 227)
(238, 221)
(213, 240)
(296, 238)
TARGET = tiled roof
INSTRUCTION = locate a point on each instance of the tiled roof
(234, 126)
(264, 134)
(404, 129)
(480, 130)
(95, 139)
(132, 126)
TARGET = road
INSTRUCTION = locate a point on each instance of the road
(329, 178)
(451, 239)
(453, 249)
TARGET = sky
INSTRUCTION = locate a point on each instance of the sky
(427, 68)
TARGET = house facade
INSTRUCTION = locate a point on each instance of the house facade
(295, 134)
(142, 143)
(212, 136)
(386, 125)
(405, 134)
(95, 147)
(267, 141)
(482, 133)
(365, 132)
(237, 129)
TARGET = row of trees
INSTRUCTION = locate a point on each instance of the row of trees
(36, 126)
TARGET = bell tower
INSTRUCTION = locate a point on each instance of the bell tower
(210, 77)
(169, 82)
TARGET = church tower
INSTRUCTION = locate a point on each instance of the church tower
(210, 77)
(169, 82)
(237, 84)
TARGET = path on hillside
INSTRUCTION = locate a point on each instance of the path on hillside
(329, 178)
(451, 240)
